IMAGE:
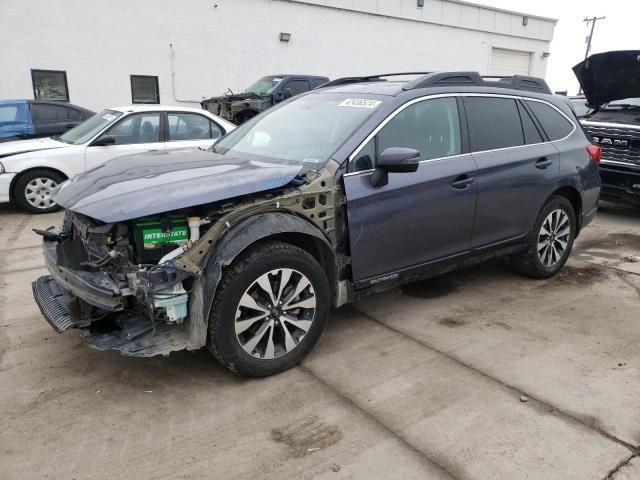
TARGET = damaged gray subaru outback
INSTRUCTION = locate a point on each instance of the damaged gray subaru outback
(358, 187)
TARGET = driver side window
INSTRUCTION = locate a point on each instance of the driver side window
(431, 126)
(136, 128)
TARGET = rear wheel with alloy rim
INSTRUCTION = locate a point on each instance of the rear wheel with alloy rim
(553, 238)
(269, 310)
(550, 241)
(33, 190)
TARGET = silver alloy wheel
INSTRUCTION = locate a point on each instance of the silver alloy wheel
(275, 313)
(553, 237)
(38, 192)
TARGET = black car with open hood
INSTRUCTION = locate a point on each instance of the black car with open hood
(611, 84)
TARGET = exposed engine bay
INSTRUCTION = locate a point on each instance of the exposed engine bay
(139, 286)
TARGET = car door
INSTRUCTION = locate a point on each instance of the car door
(135, 133)
(418, 217)
(191, 130)
(51, 119)
(517, 168)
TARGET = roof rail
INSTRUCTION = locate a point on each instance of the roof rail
(515, 82)
(367, 79)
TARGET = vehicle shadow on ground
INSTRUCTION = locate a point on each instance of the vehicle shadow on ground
(619, 209)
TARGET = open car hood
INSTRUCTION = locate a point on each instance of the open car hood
(139, 185)
(605, 77)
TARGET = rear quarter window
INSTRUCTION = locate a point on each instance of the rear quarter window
(493, 123)
(553, 122)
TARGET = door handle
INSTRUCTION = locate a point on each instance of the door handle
(462, 182)
(543, 163)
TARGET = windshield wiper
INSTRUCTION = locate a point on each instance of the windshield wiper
(58, 138)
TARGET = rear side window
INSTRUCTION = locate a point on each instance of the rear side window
(493, 123)
(46, 113)
(531, 133)
(191, 126)
(297, 86)
(74, 115)
(554, 124)
(319, 81)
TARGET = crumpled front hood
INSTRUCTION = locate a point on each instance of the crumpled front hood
(605, 77)
(139, 185)
(24, 146)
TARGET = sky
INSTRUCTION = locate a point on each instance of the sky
(619, 31)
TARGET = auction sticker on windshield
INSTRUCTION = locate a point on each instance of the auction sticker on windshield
(360, 103)
(108, 116)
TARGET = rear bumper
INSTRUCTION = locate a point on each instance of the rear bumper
(5, 184)
(620, 183)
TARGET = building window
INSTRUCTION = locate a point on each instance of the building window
(50, 85)
(144, 89)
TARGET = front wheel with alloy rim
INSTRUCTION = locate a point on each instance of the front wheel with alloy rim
(269, 310)
(550, 241)
(33, 190)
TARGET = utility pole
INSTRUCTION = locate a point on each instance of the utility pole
(591, 21)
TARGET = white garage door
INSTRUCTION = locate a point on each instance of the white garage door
(509, 62)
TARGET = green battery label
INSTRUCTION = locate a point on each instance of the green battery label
(155, 237)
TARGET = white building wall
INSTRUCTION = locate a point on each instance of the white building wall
(220, 44)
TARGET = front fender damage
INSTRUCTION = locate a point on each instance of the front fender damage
(309, 210)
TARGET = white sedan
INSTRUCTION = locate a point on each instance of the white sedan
(31, 169)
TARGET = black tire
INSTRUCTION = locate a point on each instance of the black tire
(25, 181)
(529, 262)
(242, 275)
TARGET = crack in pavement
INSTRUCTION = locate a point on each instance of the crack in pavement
(611, 267)
(611, 475)
(533, 400)
(380, 423)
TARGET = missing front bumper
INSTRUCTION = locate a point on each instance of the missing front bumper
(130, 333)
(51, 301)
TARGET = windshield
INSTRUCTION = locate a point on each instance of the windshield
(265, 85)
(307, 130)
(625, 103)
(90, 127)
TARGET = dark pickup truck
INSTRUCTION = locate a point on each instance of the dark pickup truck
(263, 94)
(611, 83)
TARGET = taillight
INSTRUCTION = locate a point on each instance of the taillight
(595, 152)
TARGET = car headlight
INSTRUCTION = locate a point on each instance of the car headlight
(1, 168)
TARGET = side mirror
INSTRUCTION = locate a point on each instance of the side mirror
(287, 93)
(394, 159)
(104, 140)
